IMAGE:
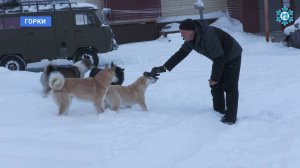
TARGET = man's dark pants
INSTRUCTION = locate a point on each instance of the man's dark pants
(229, 85)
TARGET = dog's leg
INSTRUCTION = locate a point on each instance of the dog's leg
(63, 102)
(99, 106)
(115, 103)
(45, 84)
(115, 107)
(143, 105)
(47, 89)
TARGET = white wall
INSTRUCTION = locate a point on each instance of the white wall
(186, 7)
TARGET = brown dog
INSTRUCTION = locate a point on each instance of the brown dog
(129, 95)
(90, 89)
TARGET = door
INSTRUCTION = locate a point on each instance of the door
(88, 31)
(64, 26)
(40, 41)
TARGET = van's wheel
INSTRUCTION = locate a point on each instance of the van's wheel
(13, 63)
(87, 54)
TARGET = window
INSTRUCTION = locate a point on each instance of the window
(85, 19)
(11, 23)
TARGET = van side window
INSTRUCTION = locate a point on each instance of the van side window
(11, 23)
(84, 19)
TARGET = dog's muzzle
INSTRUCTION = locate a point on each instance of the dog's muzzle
(151, 75)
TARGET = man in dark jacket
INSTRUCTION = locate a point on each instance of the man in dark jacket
(224, 51)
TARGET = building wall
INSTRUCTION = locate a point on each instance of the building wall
(273, 7)
(171, 8)
(126, 10)
(138, 27)
(297, 9)
(245, 11)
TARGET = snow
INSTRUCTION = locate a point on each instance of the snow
(180, 130)
(199, 4)
(170, 27)
(83, 5)
(47, 7)
(293, 27)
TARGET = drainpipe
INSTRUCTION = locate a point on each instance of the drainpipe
(267, 31)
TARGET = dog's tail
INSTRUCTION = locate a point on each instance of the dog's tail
(56, 81)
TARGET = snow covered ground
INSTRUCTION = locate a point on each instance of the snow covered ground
(180, 130)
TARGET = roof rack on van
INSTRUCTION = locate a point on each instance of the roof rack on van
(28, 6)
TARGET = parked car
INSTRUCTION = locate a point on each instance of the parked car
(293, 34)
(35, 30)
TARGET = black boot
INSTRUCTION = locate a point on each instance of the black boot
(227, 120)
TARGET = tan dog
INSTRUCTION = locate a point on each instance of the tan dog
(90, 89)
(129, 95)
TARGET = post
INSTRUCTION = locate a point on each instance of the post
(201, 13)
(200, 6)
(267, 31)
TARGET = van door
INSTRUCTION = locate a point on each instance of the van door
(64, 25)
(40, 41)
(88, 31)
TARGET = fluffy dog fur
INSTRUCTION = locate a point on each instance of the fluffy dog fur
(119, 75)
(129, 95)
(76, 70)
(91, 89)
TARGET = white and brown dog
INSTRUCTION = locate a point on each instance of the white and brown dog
(91, 89)
(77, 70)
(129, 95)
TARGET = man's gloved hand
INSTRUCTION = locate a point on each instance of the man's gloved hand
(158, 70)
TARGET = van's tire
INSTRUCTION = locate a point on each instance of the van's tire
(87, 53)
(13, 63)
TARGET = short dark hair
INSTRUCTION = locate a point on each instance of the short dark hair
(187, 24)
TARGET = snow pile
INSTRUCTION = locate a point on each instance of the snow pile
(170, 27)
(292, 28)
(2, 69)
(228, 24)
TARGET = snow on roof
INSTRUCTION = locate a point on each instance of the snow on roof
(293, 27)
(47, 7)
(199, 4)
(83, 5)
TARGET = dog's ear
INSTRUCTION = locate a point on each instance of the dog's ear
(122, 69)
(113, 68)
(112, 64)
